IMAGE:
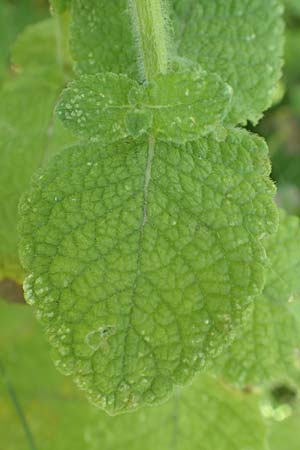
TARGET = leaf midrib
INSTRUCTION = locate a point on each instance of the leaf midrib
(144, 219)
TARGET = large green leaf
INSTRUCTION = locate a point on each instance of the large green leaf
(141, 258)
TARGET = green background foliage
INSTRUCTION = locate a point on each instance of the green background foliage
(248, 396)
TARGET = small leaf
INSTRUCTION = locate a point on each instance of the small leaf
(96, 106)
(138, 122)
(157, 242)
(175, 107)
(187, 105)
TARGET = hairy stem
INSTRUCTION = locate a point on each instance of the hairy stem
(151, 27)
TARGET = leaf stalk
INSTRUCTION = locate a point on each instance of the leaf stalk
(151, 26)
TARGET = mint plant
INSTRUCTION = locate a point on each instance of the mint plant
(146, 270)
(149, 240)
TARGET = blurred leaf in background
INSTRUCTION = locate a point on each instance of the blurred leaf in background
(15, 15)
(281, 125)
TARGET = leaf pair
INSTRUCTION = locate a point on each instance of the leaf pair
(176, 107)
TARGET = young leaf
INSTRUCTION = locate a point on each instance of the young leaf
(176, 106)
(95, 106)
(267, 348)
(29, 133)
(142, 257)
(186, 105)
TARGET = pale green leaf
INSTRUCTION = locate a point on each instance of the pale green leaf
(175, 107)
(242, 41)
(29, 132)
(142, 257)
(267, 349)
(206, 415)
(186, 105)
(95, 106)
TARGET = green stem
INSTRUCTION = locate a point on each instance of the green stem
(151, 27)
(13, 396)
